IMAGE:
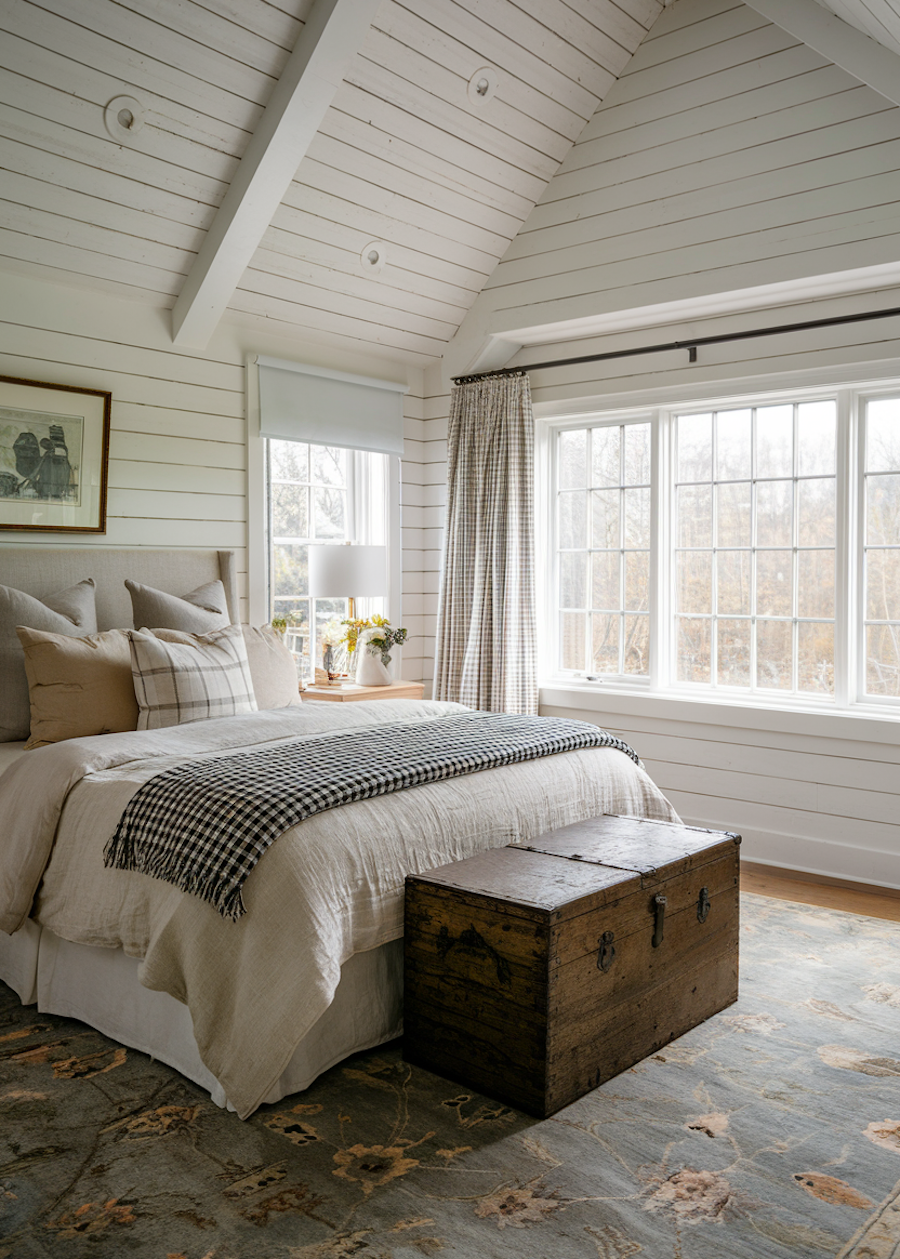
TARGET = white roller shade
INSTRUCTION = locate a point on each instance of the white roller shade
(314, 404)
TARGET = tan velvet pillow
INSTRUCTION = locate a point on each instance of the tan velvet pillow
(78, 686)
(70, 612)
(272, 667)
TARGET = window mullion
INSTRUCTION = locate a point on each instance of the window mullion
(661, 559)
(847, 541)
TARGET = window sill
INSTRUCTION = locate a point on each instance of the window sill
(865, 724)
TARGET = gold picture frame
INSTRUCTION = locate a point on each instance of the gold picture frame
(54, 456)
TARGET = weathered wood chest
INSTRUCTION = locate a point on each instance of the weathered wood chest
(536, 972)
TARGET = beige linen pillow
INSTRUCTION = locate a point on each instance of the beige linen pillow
(70, 612)
(197, 612)
(272, 668)
(78, 686)
(206, 675)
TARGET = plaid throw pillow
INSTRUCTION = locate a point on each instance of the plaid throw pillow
(189, 681)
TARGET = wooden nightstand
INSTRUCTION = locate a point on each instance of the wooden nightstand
(350, 692)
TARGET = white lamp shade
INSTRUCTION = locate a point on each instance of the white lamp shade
(339, 572)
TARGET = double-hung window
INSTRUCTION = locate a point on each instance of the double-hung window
(743, 550)
(328, 465)
(318, 494)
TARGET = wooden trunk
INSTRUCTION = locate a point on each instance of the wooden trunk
(535, 972)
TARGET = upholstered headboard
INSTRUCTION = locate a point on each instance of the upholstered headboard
(42, 571)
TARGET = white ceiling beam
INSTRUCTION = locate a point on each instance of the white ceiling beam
(330, 39)
(841, 43)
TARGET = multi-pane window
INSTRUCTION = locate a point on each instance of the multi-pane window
(754, 554)
(316, 494)
(881, 543)
(603, 509)
(753, 576)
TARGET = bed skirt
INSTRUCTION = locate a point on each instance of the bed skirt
(101, 987)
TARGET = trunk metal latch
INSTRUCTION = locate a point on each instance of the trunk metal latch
(703, 905)
(659, 911)
(606, 954)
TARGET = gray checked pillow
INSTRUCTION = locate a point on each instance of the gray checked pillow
(272, 668)
(175, 683)
(197, 612)
(69, 612)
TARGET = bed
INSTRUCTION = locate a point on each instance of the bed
(256, 1009)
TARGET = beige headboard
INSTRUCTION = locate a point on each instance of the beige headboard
(42, 570)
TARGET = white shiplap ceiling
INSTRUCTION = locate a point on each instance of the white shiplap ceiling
(402, 155)
(879, 19)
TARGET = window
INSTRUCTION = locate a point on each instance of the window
(755, 547)
(714, 549)
(604, 548)
(881, 547)
(318, 494)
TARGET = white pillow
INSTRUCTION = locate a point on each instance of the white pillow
(175, 683)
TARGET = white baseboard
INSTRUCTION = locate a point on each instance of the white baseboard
(811, 856)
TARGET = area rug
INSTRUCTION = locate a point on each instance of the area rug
(773, 1130)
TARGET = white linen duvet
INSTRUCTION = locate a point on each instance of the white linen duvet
(328, 889)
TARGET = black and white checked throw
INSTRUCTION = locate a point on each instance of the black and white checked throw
(203, 826)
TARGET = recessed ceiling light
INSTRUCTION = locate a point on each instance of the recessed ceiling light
(123, 117)
(483, 85)
(374, 256)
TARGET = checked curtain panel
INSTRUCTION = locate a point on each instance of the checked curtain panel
(486, 649)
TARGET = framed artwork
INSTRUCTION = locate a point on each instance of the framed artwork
(54, 455)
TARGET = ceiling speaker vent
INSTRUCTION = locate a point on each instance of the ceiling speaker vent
(123, 118)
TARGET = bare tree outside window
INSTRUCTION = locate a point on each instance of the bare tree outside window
(603, 531)
(774, 546)
(882, 548)
(308, 487)
(754, 556)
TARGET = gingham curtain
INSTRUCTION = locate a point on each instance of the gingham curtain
(486, 618)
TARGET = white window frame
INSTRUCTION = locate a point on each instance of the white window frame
(858, 506)
(257, 516)
(849, 694)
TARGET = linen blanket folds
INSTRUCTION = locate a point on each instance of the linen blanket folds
(203, 827)
(330, 888)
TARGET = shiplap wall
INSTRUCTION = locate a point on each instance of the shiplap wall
(178, 444)
(177, 470)
(422, 550)
(415, 493)
(805, 792)
(727, 156)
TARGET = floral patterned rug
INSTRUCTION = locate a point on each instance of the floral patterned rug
(771, 1131)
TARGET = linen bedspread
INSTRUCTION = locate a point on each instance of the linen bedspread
(330, 887)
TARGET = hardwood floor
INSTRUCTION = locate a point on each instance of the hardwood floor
(811, 889)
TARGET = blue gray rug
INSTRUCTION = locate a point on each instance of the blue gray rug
(772, 1131)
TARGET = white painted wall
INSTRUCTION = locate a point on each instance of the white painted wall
(178, 445)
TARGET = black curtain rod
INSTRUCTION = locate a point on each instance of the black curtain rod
(690, 346)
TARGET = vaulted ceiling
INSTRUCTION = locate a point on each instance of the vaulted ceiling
(376, 177)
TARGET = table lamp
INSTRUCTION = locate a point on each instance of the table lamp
(347, 572)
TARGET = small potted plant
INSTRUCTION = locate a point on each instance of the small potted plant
(372, 641)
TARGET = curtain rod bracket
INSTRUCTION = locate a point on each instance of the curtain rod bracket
(692, 353)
